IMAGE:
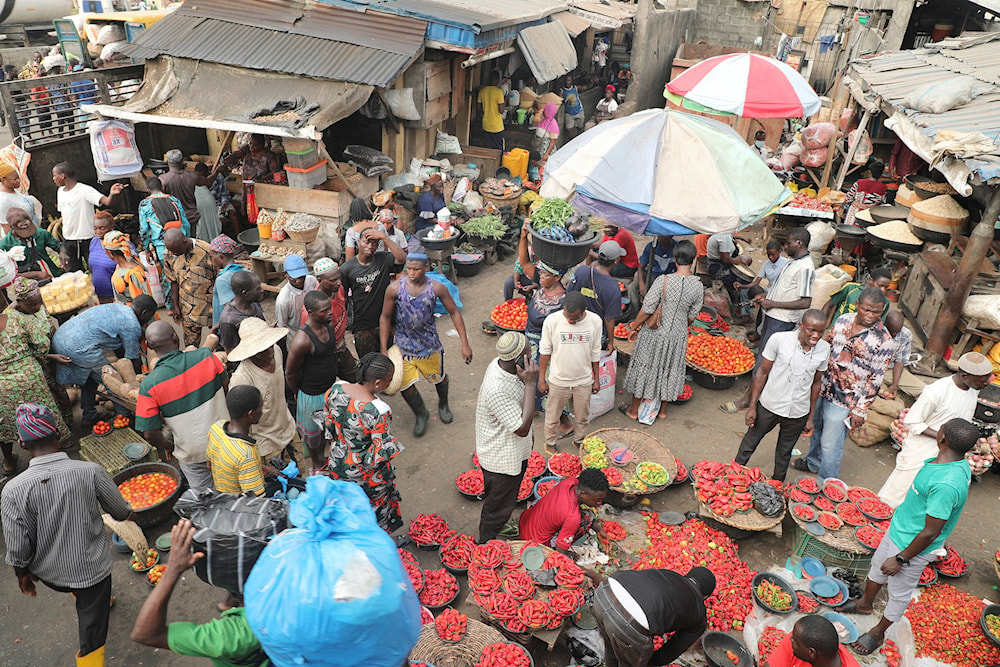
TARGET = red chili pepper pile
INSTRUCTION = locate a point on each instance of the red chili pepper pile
(492, 554)
(945, 624)
(694, 544)
(565, 601)
(809, 485)
(614, 530)
(891, 652)
(483, 580)
(807, 603)
(832, 602)
(686, 393)
(518, 584)
(456, 552)
(440, 588)
(834, 492)
(534, 614)
(804, 512)
(471, 482)
(952, 565)
(725, 488)
(856, 493)
(830, 521)
(451, 625)
(928, 576)
(407, 557)
(851, 514)
(501, 606)
(428, 530)
(504, 655)
(660, 640)
(869, 536)
(536, 464)
(874, 508)
(682, 471)
(823, 503)
(769, 641)
(773, 595)
(797, 495)
(565, 464)
(570, 577)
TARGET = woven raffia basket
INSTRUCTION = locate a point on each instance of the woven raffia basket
(308, 236)
(643, 446)
(464, 653)
(750, 521)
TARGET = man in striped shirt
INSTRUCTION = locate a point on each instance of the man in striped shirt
(52, 527)
(186, 392)
(232, 453)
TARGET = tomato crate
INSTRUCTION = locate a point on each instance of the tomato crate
(810, 545)
(106, 450)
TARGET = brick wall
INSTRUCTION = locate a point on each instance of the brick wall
(732, 23)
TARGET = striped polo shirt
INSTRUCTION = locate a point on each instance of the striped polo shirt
(184, 392)
(235, 461)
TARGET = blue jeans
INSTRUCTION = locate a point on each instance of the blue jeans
(826, 447)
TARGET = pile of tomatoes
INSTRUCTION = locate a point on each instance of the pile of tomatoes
(121, 421)
(138, 564)
(102, 428)
(511, 314)
(145, 490)
(694, 544)
(719, 354)
(451, 625)
(621, 331)
(614, 475)
(946, 627)
(803, 200)
(155, 574)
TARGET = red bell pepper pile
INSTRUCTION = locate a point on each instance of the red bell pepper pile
(536, 465)
(614, 530)
(471, 482)
(546, 486)
(614, 475)
(504, 655)
(682, 471)
(891, 652)
(946, 627)
(694, 544)
(456, 552)
(428, 530)
(526, 488)
(440, 588)
(416, 576)
(451, 625)
(565, 464)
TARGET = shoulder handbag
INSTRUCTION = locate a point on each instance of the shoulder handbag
(654, 320)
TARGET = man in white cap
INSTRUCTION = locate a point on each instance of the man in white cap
(949, 398)
(604, 296)
(504, 411)
(261, 365)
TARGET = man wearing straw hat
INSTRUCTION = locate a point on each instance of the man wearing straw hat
(504, 411)
(261, 366)
(52, 527)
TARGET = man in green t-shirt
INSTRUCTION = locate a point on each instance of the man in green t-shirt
(918, 530)
(845, 300)
(226, 641)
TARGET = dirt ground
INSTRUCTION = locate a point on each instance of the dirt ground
(42, 631)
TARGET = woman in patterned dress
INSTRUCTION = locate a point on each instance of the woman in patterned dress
(24, 347)
(362, 448)
(657, 368)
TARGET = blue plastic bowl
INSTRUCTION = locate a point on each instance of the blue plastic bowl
(812, 567)
(548, 478)
(119, 544)
(852, 630)
(824, 586)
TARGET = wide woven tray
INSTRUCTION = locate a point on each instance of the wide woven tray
(106, 450)
(464, 653)
(625, 346)
(841, 539)
(644, 447)
(750, 521)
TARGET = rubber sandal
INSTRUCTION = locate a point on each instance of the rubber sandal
(800, 464)
(865, 645)
(729, 408)
(509, 531)
(622, 408)
(489, 328)
(550, 451)
(851, 607)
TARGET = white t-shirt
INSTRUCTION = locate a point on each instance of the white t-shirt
(794, 282)
(607, 107)
(787, 390)
(574, 348)
(718, 244)
(77, 209)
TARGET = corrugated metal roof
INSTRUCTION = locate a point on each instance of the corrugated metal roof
(548, 50)
(895, 76)
(574, 24)
(304, 38)
(604, 14)
(478, 15)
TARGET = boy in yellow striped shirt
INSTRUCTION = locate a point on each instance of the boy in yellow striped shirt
(232, 452)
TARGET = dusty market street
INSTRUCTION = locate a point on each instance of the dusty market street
(42, 632)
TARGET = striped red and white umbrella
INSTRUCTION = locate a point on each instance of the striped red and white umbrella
(747, 85)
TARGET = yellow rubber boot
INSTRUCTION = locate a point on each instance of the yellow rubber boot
(93, 659)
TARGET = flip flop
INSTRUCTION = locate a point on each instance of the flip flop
(865, 645)
(729, 408)
(851, 607)
(489, 328)
(622, 408)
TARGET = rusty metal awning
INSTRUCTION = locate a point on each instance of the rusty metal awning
(548, 50)
(574, 24)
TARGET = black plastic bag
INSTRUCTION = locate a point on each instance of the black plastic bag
(766, 499)
(232, 531)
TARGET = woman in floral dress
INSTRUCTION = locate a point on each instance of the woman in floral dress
(362, 448)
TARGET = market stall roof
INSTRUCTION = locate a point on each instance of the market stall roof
(548, 50)
(961, 142)
(301, 37)
(575, 25)
(190, 93)
(465, 25)
(604, 15)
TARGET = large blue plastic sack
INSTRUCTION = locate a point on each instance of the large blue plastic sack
(332, 591)
(452, 289)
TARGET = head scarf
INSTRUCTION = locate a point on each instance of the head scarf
(25, 288)
(35, 422)
(119, 242)
(434, 178)
(6, 170)
(548, 122)
(223, 245)
(386, 215)
(551, 269)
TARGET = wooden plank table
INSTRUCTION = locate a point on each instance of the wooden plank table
(262, 266)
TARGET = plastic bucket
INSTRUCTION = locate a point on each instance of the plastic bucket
(264, 231)
(849, 270)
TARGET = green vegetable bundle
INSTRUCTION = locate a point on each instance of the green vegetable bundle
(551, 212)
(485, 227)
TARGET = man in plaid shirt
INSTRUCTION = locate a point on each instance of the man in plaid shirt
(861, 350)
(504, 412)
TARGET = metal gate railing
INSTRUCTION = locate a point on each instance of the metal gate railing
(47, 110)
